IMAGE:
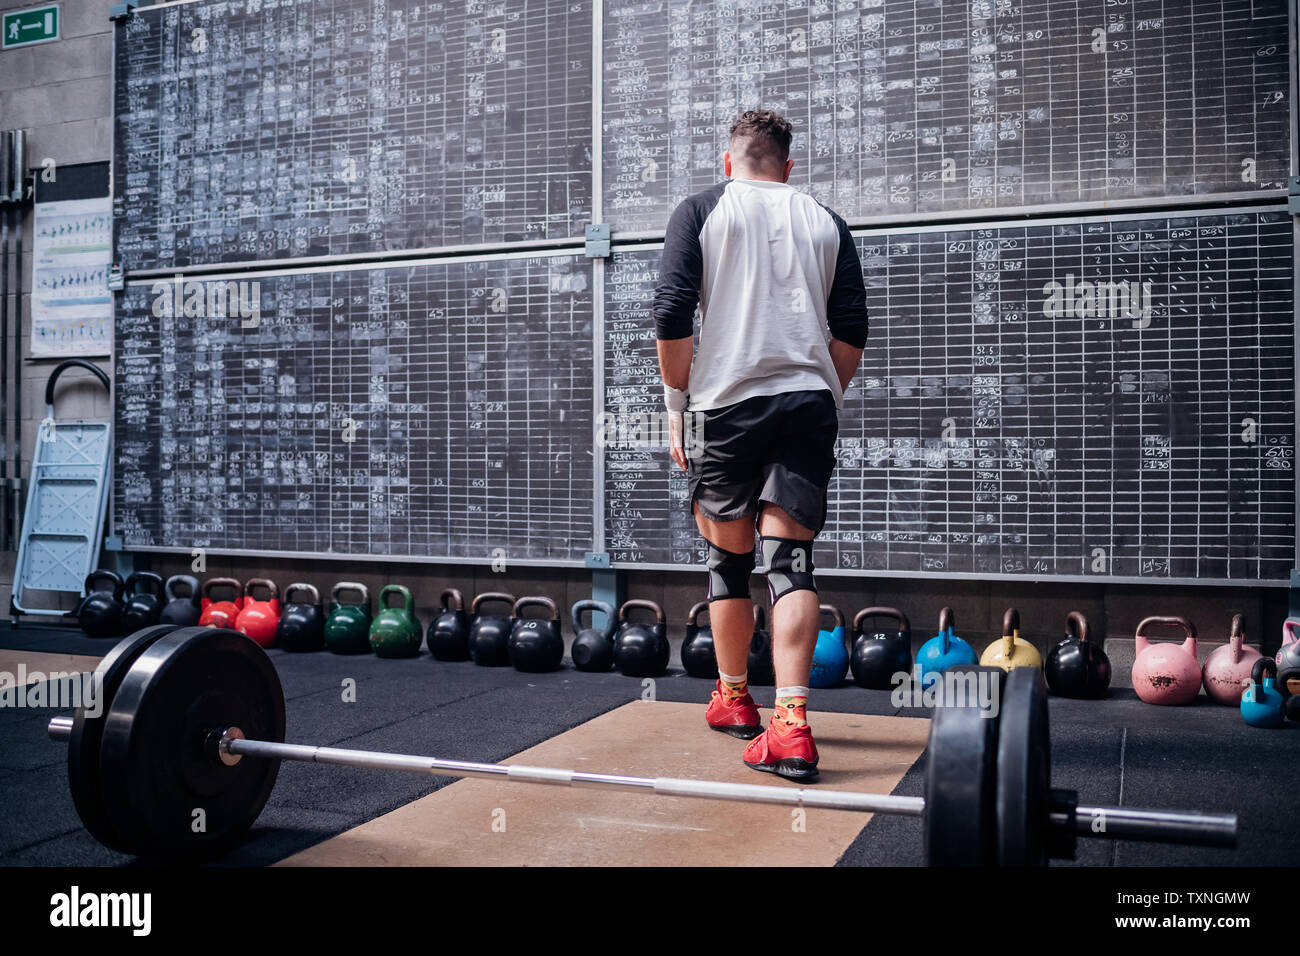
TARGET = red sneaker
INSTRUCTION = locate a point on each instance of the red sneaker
(787, 751)
(738, 717)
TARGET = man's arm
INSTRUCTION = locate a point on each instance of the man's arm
(677, 295)
(846, 308)
(846, 359)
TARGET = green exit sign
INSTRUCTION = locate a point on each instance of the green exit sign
(37, 25)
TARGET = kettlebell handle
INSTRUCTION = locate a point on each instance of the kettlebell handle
(1236, 640)
(644, 605)
(1262, 665)
(693, 615)
(300, 586)
(536, 600)
(589, 604)
(491, 596)
(452, 600)
(903, 625)
(261, 583)
(153, 579)
(947, 620)
(351, 586)
(1011, 623)
(834, 612)
(170, 587)
(211, 583)
(760, 618)
(118, 586)
(408, 601)
(1188, 628)
(1074, 621)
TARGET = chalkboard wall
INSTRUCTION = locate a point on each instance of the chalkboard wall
(1092, 392)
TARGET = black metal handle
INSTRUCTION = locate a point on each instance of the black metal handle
(72, 363)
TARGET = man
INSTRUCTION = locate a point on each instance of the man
(783, 321)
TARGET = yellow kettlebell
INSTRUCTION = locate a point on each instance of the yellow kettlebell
(1013, 650)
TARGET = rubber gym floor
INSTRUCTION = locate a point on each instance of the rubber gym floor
(1115, 751)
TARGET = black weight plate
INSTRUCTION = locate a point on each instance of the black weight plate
(1024, 771)
(155, 769)
(87, 731)
(960, 787)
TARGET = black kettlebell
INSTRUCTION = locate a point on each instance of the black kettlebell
(536, 644)
(1077, 667)
(698, 656)
(100, 611)
(489, 634)
(302, 623)
(761, 671)
(448, 636)
(143, 605)
(641, 650)
(593, 648)
(181, 611)
(879, 655)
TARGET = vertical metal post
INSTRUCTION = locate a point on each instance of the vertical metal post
(18, 166)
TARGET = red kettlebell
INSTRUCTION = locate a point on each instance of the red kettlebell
(259, 619)
(1227, 670)
(1166, 674)
(220, 613)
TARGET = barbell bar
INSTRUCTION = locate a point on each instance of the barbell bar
(173, 741)
(1162, 826)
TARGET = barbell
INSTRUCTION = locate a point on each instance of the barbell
(184, 752)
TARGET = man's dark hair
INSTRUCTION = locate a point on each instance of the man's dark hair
(761, 140)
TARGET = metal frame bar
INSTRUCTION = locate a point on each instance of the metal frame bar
(985, 217)
(597, 273)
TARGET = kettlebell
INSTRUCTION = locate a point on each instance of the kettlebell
(143, 605)
(448, 637)
(1166, 674)
(259, 619)
(877, 657)
(395, 632)
(220, 613)
(761, 670)
(641, 650)
(1288, 661)
(1012, 650)
(489, 635)
(593, 648)
(942, 651)
(1077, 667)
(1228, 668)
(302, 624)
(536, 644)
(100, 611)
(1261, 703)
(181, 611)
(699, 659)
(830, 660)
(347, 628)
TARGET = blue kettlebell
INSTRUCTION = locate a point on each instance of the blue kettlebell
(942, 651)
(830, 662)
(1262, 704)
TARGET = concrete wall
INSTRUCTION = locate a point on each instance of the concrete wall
(61, 92)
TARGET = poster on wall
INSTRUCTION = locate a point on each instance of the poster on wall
(72, 309)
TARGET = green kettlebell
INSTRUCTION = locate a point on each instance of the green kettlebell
(395, 631)
(347, 629)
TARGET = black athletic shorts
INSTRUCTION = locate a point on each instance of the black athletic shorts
(776, 448)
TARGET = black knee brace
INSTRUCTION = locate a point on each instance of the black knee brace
(729, 573)
(788, 564)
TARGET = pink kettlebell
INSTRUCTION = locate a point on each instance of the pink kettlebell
(1288, 637)
(1227, 670)
(1166, 674)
